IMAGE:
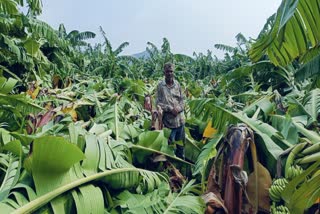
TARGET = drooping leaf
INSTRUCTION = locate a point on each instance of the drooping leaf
(50, 161)
(294, 31)
(53, 154)
(264, 182)
(207, 153)
(42, 200)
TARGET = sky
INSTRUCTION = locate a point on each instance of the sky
(189, 25)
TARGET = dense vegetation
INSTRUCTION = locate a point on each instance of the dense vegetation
(75, 137)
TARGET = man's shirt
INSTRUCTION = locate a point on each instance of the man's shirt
(168, 98)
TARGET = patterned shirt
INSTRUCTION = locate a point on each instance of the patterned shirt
(168, 98)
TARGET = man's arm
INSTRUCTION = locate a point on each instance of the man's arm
(180, 107)
(160, 100)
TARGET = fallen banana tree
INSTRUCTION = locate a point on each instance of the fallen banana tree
(229, 188)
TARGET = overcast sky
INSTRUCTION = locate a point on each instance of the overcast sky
(189, 25)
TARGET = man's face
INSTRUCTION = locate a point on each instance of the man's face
(168, 73)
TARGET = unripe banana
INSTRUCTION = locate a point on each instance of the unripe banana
(293, 171)
(273, 196)
(276, 189)
(279, 209)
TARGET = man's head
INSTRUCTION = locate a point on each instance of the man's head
(168, 70)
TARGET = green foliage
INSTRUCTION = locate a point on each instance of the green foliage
(311, 102)
(90, 165)
(309, 69)
(293, 33)
(11, 166)
(298, 188)
(162, 201)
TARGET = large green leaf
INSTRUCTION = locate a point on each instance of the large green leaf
(294, 32)
(208, 152)
(37, 203)
(50, 161)
(56, 177)
(262, 102)
(53, 154)
(15, 147)
(13, 47)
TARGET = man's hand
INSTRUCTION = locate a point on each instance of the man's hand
(175, 111)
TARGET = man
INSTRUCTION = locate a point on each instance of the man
(170, 99)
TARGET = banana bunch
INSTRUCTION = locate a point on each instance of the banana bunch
(293, 171)
(310, 154)
(279, 209)
(276, 188)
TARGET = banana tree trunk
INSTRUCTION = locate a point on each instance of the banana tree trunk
(227, 179)
(236, 178)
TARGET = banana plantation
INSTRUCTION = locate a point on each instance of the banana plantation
(76, 135)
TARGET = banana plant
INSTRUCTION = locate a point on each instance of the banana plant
(75, 37)
(107, 61)
(293, 33)
(272, 142)
(55, 168)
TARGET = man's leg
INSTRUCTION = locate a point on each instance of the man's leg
(180, 136)
(172, 136)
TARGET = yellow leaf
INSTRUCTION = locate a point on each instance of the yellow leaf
(35, 93)
(71, 111)
(209, 130)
